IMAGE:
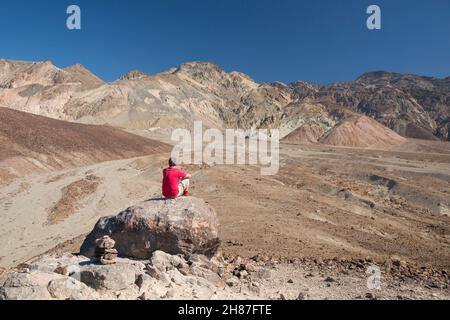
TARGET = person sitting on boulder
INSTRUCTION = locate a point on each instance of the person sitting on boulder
(175, 182)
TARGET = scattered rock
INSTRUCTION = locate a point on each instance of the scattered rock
(237, 260)
(143, 296)
(153, 272)
(70, 288)
(346, 194)
(232, 281)
(209, 275)
(370, 296)
(118, 276)
(140, 280)
(184, 271)
(303, 296)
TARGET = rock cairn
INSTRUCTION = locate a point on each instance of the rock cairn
(104, 251)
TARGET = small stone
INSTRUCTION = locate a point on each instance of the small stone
(107, 262)
(250, 267)
(329, 279)
(238, 261)
(153, 271)
(140, 280)
(184, 271)
(105, 242)
(254, 288)
(143, 296)
(370, 296)
(61, 270)
(109, 256)
(232, 281)
(101, 251)
(170, 294)
(303, 296)
(396, 261)
(290, 281)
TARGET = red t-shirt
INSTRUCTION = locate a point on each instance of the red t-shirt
(171, 178)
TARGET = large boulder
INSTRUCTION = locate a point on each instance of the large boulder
(185, 225)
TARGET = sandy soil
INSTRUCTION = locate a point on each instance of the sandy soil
(335, 202)
(72, 195)
(28, 204)
(324, 203)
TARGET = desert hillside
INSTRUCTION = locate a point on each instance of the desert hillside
(31, 143)
(413, 106)
(362, 132)
(354, 130)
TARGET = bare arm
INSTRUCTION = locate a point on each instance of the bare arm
(188, 176)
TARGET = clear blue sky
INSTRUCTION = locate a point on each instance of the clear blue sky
(318, 41)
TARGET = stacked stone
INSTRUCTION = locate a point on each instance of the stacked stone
(104, 251)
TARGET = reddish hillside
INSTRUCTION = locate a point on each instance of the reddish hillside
(362, 132)
(29, 143)
(307, 133)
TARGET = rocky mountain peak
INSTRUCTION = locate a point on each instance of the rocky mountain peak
(76, 66)
(376, 75)
(241, 75)
(200, 70)
(14, 74)
(200, 66)
(133, 75)
(83, 75)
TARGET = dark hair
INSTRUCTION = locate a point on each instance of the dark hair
(172, 163)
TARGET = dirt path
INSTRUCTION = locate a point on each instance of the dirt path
(28, 204)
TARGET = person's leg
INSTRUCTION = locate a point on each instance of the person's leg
(185, 183)
(183, 188)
